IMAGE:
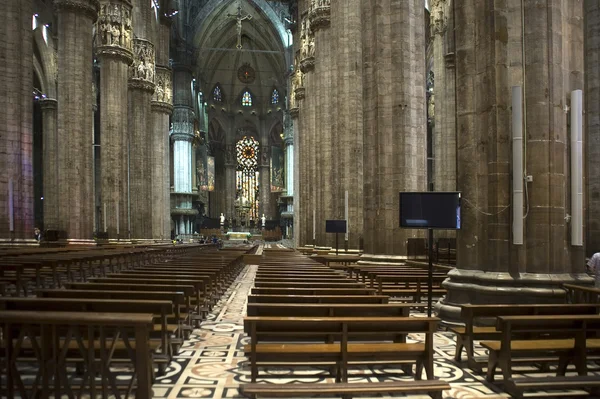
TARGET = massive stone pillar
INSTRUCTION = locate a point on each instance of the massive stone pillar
(592, 103)
(264, 167)
(394, 118)
(75, 117)
(182, 137)
(489, 61)
(442, 107)
(347, 139)
(141, 89)
(114, 47)
(161, 110)
(318, 60)
(16, 125)
(299, 173)
(49, 115)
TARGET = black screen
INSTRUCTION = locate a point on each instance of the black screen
(335, 226)
(430, 210)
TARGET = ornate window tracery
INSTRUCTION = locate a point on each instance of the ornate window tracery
(275, 97)
(217, 95)
(247, 176)
(247, 99)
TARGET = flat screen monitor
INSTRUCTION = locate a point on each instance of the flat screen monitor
(335, 226)
(430, 210)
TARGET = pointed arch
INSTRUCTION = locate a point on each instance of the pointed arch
(275, 97)
(246, 98)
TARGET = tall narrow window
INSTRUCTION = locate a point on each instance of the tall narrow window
(275, 97)
(217, 96)
(247, 99)
(247, 178)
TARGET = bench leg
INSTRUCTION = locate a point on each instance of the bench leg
(436, 395)
(492, 365)
(460, 344)
(419, 370)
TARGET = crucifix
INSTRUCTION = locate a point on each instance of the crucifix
(239, 17)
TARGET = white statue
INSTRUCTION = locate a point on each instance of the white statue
(222, 219)
(263, 221)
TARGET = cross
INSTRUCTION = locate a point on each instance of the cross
(239, 19)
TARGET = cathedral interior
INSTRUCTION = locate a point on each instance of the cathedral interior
(208, 146)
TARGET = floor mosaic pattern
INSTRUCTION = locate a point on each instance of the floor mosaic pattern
(212, 363)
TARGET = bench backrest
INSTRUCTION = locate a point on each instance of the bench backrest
(328, 310)
(259, 298)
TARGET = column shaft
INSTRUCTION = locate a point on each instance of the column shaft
(75, 151)
(49, 107)
(592, 103)
(394, 118)
(16, 125)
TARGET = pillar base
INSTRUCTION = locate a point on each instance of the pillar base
(481, 288)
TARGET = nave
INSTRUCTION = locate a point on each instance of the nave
(212, 363)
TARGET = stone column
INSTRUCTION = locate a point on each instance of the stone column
(442, 105)
(347, 99)
(318, 44)
(16, 125)
(49, 107)
(114, 50)
(592, 103)
(182, 137)
(141, 89)
(394, 118)
(298, 165)
(289, 165)
(75, 116)
(161, 110)
(490, 269)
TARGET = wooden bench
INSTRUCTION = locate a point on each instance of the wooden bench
(564, 337)
(329, 309)
(259, 298)
(581, 294)
(312, 291)
(479, 322)
(89, 330)
(381, 339)
(434, 388)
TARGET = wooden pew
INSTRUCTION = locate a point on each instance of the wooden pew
(434, 388)
(329, 309)
(581, 294)
(270, 341)
(565, 337)
(160, 309)
(414, 286)
(312, 291)
(307, 284)
(476, 319)
(366, 299)
(90, 330)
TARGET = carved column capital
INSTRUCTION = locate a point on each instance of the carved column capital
(319, 14)
(87, 7)
(49, 104)
(183, 122)
(142, 70)
(114, 30)
(162, 99)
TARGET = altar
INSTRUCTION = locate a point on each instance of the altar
(238, 235)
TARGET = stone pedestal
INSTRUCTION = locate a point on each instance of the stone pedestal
(490, 268)
(75, 117)
(114, 49)
(141, 88)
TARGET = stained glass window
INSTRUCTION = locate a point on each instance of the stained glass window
(217, 96)
(275, 97)
(247, 99)
(247, 177)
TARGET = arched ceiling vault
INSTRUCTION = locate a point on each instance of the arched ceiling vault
(217, 59)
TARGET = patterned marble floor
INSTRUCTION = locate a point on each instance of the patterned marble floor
(212, 363)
